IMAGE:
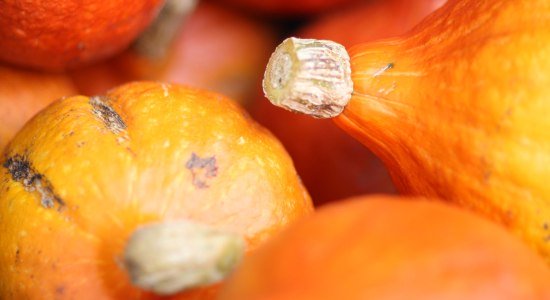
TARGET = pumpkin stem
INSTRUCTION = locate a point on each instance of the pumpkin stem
(309, 76)
(170, 257)
(155, 41)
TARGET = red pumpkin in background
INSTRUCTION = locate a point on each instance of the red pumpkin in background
(288, 7)
(216, 49)
(23, 94)
(56, 35)
(331, 163)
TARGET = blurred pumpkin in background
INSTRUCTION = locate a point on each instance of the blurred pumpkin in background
(383, 247)
(56, 35)
(23, 93)
(216, 48)
(288, 8)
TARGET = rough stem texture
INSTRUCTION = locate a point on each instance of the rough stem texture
(309, 76)
(171, 257)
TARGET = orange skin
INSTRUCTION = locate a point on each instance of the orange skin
(384, 247)
(332, 164)
(340, 166)
(55, 35)
(23, 94)
(84, 173)
(458, 110)
(217, 49)
(289, 7)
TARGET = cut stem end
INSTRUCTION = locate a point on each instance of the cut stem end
(309, 76)
(172, 257)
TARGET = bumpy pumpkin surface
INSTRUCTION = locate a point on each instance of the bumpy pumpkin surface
(383, 247)
(85, 172)
(23, 94)
(61, 34)
(458, 109)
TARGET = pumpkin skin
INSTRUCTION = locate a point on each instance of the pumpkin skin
(383, 247)
(458, 110)
(23, 94)
(289, 7)
(377, 19)
(216, 49)
(85, 172)
(55, 35)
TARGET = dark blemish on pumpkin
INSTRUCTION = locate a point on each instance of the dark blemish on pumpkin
(383, 69)
(60, 290)
(107, 114)
(545, 226)
(17, 256)
(202, 170)
(23, 172)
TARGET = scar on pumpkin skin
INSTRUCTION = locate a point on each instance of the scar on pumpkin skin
(23, 172)
(107, 114)
(202, 169)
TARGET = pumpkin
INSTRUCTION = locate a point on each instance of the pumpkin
(376, 19)
(56, 35)
(87, 173)
(389, 247)
(23, 94)
(341, 167)
(456, 108)
(288, 7)
(216, 49)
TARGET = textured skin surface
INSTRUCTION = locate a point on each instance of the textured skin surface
(23, 94)
(458, 109)
(383, 247)
(217, 49)
(60, 34)
(81, 176)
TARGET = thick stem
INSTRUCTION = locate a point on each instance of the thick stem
(171, 257)
(155, 41)
(309, 76)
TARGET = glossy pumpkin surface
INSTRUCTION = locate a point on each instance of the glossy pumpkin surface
(23, 94)
(458, 109)
(383, 247)
(56, 35)
(85, 172)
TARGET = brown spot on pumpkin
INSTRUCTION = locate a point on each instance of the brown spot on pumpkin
(17, 256)
(112, 120)
(23, 172)
(202, 170)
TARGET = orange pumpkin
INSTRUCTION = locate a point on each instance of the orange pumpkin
(86, 172)
(456, 108)
(216, 49)
(289, 7)
(23, 94)
(340, 166)
(383, 247)
(56, 35)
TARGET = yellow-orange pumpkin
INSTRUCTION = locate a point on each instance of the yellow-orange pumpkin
(383, 247)
(457, 109)
(23, 93)
(86, 172)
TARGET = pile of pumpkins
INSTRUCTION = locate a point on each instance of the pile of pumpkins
(141, 159)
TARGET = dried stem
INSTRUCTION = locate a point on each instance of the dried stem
(155, 41)
(309, 76)
(171, 257)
